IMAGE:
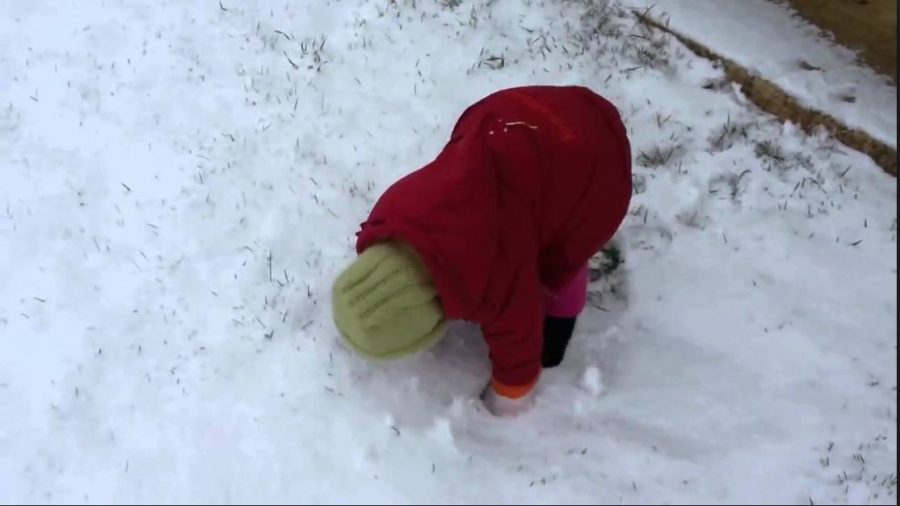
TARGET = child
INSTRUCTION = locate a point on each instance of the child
(497, 230)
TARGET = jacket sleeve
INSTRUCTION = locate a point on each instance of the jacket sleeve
(514, 335)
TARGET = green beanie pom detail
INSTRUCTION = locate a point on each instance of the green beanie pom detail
(385, 304)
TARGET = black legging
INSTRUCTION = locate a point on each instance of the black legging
(557, 333)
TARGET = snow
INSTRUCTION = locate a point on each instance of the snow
(181, 184)
(770, 39)
(592, 381)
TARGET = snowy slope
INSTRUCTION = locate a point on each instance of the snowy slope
(769, 38)
(181, 183)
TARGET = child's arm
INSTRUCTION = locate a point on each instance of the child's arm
(522, 340)
(514, 338)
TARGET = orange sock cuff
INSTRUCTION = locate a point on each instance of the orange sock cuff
(514, 391)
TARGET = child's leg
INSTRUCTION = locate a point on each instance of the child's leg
(557, 333)
(562, 309)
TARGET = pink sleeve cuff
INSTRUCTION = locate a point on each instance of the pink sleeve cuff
(570, 299)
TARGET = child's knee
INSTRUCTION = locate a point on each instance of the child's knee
(570, 299)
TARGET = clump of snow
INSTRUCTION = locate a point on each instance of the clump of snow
(592, 381)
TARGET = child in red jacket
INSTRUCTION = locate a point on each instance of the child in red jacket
(497, 230)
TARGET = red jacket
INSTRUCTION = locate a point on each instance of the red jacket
(533, 182)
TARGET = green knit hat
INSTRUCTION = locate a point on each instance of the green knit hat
(385, 304)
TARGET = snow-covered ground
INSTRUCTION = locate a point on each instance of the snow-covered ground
(770, 39)
(181, 182)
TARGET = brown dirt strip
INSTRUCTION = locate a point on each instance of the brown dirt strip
(772, 99)
(868, 26)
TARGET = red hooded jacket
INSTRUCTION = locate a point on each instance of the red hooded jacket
(533, 182)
